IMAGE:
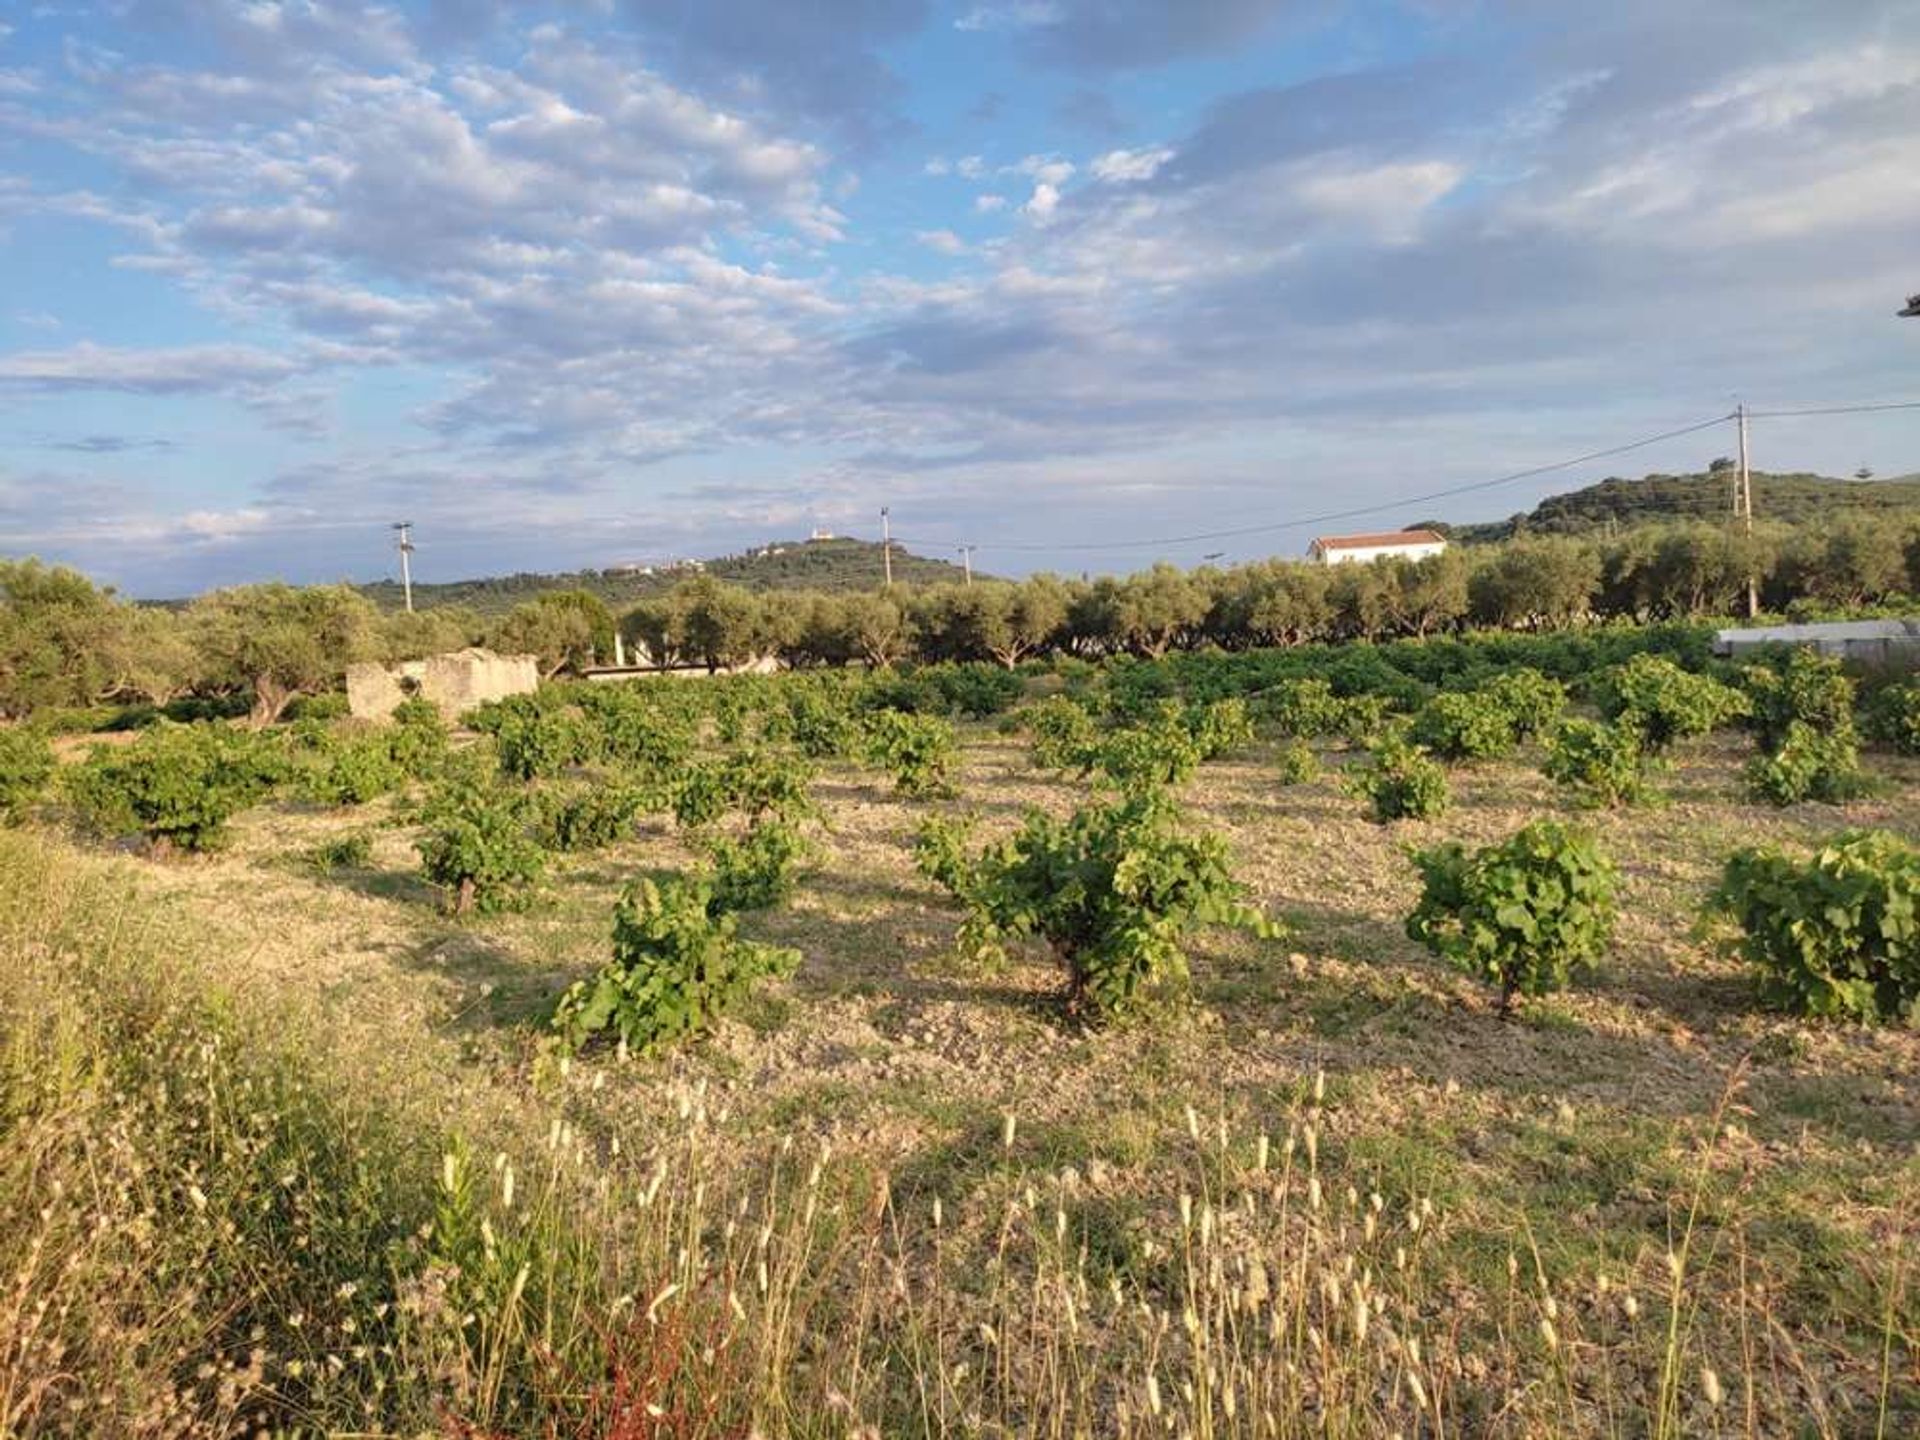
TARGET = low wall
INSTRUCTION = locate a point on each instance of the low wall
(454, 683)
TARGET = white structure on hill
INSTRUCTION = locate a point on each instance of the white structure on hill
(1358, 549)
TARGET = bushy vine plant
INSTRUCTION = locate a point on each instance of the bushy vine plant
(1893, 718)
(26, 764)
(1400, 782)
(677, 965)
(1835, 935)
(1064, 733)
(536, 744)
(1532, 701)
(758, 869)
(1465, 725)
(1809, 764)
(1112, 890)
(478, 844)
(1521, 914)
(1295, 763)
(593, 816)
(751, 782)
(1662, 703)
(919, 751)
(1600, 766)
(418, 737)
(353, 768)
(1807, 688)
(178, 785)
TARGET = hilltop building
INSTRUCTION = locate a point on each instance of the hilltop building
(1358, 549)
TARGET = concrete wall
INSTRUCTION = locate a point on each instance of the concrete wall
(455, 683)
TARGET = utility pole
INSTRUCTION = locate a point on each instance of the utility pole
(966, 559)
(404, 531)
(886, 545)
(1743, 507)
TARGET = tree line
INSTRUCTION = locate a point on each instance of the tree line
(66, 642)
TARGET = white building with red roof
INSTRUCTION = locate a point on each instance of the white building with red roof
(1358, 549)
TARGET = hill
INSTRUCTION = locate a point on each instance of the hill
(1619, 503)
(836, 564)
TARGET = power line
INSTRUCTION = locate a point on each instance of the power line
(1834, 410)
(1359, 510)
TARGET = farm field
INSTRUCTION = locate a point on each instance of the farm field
(898, 1191)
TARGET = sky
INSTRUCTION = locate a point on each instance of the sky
(1077, 282)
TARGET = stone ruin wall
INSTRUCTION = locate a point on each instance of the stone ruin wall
(455, 683)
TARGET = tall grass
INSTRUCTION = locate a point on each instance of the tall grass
(213, 1223)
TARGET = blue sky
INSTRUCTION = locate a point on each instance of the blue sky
(601, 281)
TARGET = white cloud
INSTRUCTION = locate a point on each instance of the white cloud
(1044, 201)
(1387, 199)
(87, 366)
(1120, 167)
(1014, 15)
(943, 241)
(987, 204)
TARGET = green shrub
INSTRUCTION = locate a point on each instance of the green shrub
(178, 785)
(329, 705)
(417, 738)
(1808, 688)
(1601, 765)
(1112, 890)
(1809, 764)
(677, 966)
(1401, 782)
(757, 870)
(1465, 725)
(478, 846)
(822, 727)
(1834, 935)
(355, 768)
(1220, 727)
(753, 782)
(917, 750)
(1521, 914)
(1894, 717)
(591, 817)
(1532, 700)
(1662, 703)
(1296, 764)
(1361, 718)
(975, 689)
(1064, 734)
(1149, 756)
(542, 743)
(1306, 708)
(26, 764)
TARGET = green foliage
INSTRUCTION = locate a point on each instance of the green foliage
(354, 768)
(1401, 782)
(1149, 756)
(591, 817)
(757, 870)
(26, 764)
(752, 782)
(347, 852)
(418, 737)
(917, 750)
(1808, 688)
(1836, 934)
(329, 705)
(1112, 890)
(1306, 707)
(821, 726)
(1296, 764)
(535, 744)
(178, 785)
(477, 844)
(1894, 717)
(1531, 700)
(1662, 703)
(1521, 914)
(1220, 727)
(1809, 764)
(1469, 725)
(1064, 733)
(677, 966)
(1601, 765)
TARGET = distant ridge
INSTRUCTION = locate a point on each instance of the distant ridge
(841, 563)
(1620, 504)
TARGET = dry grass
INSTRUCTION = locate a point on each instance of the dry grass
(1123, 1262)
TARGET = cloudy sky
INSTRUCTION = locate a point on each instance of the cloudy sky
(600, 281)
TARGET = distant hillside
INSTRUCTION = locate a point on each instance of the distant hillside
(1619, 504)
(839, 564)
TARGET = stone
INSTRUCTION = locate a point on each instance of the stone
(454, 683)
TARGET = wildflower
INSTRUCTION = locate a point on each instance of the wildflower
(1007, 1128)
(1550, 1335)
(1710, 1386)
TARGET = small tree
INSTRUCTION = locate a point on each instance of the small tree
(1112, 890)
(677, 966)
(1521, 914)
(1833, 935)
(279, 641)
